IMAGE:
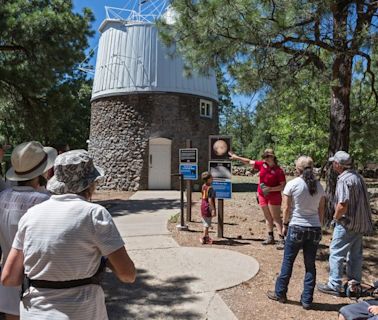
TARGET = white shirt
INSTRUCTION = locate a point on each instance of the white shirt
(305, 207)
(14, 202)
(64, 239)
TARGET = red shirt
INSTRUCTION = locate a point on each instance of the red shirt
(270, 176)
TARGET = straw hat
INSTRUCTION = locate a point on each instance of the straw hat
(30, 160)
(74, 172)
(268, 152)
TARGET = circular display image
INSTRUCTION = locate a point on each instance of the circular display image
(220, 147)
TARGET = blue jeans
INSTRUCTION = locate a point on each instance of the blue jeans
(345, 245)
(306, 238)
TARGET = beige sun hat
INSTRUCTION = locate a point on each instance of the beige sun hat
(304, 162)
(30, 160)
(268, 152)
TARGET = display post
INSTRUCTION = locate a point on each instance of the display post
(188, 191)
(220, 217)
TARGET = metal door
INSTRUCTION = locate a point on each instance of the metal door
(159, 162)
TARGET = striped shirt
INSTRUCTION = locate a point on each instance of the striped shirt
(14, 202)
(351, 189)
(64, 239)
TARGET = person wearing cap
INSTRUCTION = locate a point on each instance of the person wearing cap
(352, 220)
(30, 161)
(63, 244)
(304, 201)
(271, 182)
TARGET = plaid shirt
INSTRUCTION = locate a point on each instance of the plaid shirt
(351, 189)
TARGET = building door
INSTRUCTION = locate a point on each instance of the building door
(159, 164)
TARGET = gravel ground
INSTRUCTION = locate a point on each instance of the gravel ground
(244, 230)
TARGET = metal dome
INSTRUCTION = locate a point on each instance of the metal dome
(132, 59)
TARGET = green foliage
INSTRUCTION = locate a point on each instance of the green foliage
(271, 45)
(43, 98)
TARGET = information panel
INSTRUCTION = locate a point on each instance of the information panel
(188, 155)
(189, 171)
(223, 188)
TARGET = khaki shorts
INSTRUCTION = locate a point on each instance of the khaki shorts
(206, 221)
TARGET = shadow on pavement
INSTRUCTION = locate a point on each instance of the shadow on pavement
(142, 300)
(119, 207)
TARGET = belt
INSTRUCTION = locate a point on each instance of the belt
(46, 284)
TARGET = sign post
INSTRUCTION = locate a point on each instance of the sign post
(189, 189)
(188, 159)
(182, 225)
(220, 167)
(220, 218)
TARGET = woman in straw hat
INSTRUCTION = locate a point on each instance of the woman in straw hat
(271, 182)
(62, 245)
(30, 161)
(304, 200)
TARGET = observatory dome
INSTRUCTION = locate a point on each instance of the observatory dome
(132, 59)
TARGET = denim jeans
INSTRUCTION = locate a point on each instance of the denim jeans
(306, 238)
(345, 245)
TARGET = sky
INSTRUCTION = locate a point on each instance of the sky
(98, 9)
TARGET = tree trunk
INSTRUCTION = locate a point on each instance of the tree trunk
(339, 121)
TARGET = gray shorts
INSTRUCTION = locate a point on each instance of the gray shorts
(359, 311)
(206, 221)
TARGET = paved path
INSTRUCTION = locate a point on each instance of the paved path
(173, 282)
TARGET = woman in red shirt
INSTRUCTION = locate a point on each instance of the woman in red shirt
(272, 181)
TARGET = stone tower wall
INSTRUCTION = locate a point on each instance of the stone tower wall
(121, 127)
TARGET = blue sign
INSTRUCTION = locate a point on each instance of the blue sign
(190, 171)
(223, 189)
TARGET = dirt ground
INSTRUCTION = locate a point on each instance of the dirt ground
(244, 230)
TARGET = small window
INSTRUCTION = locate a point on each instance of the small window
(206, 108)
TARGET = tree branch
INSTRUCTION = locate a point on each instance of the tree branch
(371, 73)
(10, 48)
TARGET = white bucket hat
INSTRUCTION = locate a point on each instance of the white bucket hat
(74, 172)
(30, 160)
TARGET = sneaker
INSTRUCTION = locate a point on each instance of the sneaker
(272, 296)
(209, 240)
(203, 240)
(269, 240)
(280, 244)
(323, 287)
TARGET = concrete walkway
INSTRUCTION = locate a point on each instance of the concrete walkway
(173, 282)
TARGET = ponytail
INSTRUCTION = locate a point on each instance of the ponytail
(309, 177)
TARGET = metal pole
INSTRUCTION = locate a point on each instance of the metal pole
(182, 200)
(188, 191)
(220, 218)
(182, 225)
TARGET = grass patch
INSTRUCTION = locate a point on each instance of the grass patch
(174, 218)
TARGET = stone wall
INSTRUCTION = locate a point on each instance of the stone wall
(121, 127)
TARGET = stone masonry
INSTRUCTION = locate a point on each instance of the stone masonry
(121, 127)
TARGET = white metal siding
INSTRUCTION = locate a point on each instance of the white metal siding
(131, 58)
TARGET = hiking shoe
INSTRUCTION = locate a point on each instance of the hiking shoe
(269, 240)
(280, 244)
(306, 306)
(272, 296)
(323, 287)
